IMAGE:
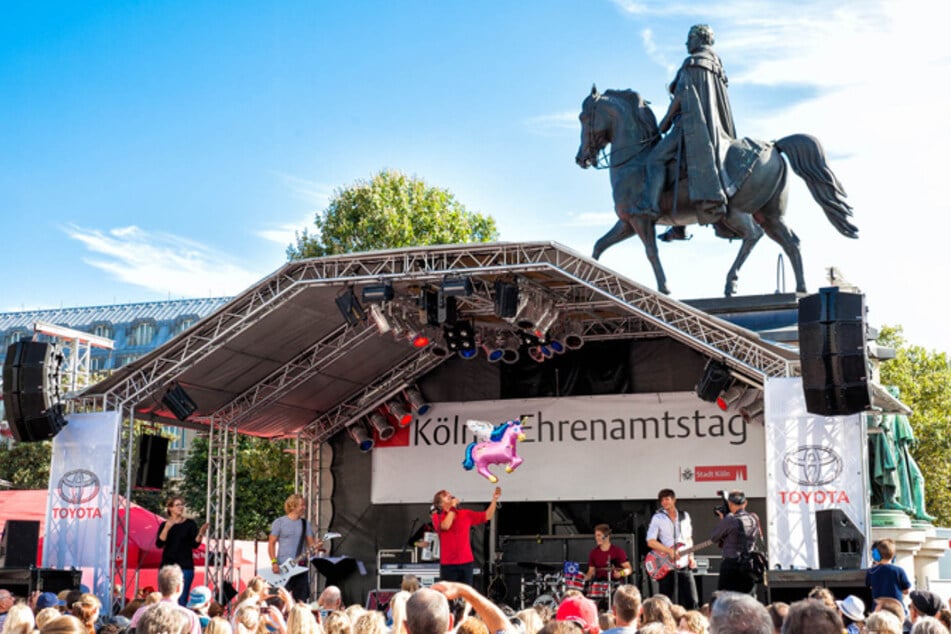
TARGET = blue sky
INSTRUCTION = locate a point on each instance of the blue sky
(170, 149)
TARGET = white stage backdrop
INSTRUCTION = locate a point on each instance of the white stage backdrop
(612, 447)
(80, 502)
(813, 462)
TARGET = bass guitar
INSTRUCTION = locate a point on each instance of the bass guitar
(658, 564)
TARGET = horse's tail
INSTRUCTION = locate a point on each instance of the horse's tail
(468, 463)
(808, 160)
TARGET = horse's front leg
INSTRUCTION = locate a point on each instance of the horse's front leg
(513, 463)
(644, 227)
(619, 232)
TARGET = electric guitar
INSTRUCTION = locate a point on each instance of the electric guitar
(658, 564)
(292, 566)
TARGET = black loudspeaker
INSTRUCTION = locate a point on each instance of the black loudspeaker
(179, 402)
(715, 378)
(31, 391)
(832, 350)
(840, 542)
(153, 452)
(21, 540)
(51, 580)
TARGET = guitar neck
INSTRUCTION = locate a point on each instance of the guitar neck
(687, 551)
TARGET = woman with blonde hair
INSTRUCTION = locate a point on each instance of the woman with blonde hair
(19, 620)
(398, 610)
(694, 622)
(370, 622)
(218, 625)
(531, 619)
(338, 622)
(64, 625)
(657, 610)
(300, 620)
(255, 590)
(46, 615)
(87, 611)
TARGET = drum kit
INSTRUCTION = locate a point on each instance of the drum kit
(546, 584)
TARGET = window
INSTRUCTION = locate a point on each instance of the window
(142, 333)
(102, 329)
(184, 323)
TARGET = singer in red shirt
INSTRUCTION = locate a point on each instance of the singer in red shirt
(452, 524)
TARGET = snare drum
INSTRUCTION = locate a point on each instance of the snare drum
(574, 581)
(598, 589)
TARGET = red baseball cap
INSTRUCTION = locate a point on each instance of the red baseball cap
(580, 610)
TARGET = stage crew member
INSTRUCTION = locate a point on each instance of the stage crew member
(670, 530)
(735, 533)
(452, 524)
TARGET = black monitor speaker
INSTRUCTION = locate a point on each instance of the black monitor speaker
(840, 541)
(153, 455)
(31, 391)
(832, 350)
(20, 542)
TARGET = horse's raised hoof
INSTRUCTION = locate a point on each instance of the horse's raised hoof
(663, 289)
(596, 254)
(730, 289)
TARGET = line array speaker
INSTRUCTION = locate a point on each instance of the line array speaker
(31, 391)
(153, 454)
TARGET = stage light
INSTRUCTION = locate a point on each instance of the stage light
(571, 335)
(506, 299)
(350, 308)
(714, 379)
(360, 436)
(421, 340)
(495, 347)
(535, 352)
(456, 286)
(416, 401)
(379, 319)
(382, 426)
(400, 412)
(179, 402)
(737, 396)
(460, 337)
(753, 412)
(378, 293)
(510, 353)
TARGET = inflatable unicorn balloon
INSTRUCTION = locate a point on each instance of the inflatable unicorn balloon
(494, 445)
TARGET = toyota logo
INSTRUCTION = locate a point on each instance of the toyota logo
(812, 465)
(78, 486)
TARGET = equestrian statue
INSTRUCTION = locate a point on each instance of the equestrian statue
(699, 172)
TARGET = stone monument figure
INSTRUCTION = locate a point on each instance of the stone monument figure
(702, 128)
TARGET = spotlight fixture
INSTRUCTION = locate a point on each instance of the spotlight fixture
(456, 286)
(400, 412)
(506, 299)
(416, 401)
(494, 347)
(510, 353)
(572, 336)
(377, 293)
(360, 436)
(737, 397)
(382, 426)
(715, 378)
(538, 314)
(379, 319)
(753, 412)
(460, 338)
(179, 402)
(350, 308)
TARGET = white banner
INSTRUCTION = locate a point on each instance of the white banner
(614, 447)
(813, 462)
(80, 502)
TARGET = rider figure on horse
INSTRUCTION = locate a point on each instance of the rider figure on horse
(703, 127)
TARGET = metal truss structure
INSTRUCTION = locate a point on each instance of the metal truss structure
(605, 304)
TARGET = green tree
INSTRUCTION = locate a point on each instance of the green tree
(390, 210)
(26, 465)
(924, 379)
(264, 476)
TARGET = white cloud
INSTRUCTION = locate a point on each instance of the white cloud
(553, 123)
(162, 262)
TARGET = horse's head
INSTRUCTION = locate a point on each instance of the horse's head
(619, 117)
(516, 429)
(595, 133)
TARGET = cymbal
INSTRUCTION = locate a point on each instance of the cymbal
(538, 565)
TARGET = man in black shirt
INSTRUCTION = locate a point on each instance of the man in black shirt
(736, 533)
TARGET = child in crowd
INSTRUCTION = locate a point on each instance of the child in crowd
(884, 578)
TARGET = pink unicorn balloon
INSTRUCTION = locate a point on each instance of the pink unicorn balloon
(494, 446)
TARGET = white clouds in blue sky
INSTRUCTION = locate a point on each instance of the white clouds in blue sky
(190, 142)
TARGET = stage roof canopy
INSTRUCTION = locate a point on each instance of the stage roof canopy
(280, 358)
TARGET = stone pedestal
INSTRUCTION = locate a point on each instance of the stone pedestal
(908, 542)
(926, 559)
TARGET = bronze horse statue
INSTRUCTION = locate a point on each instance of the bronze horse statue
(757, 197)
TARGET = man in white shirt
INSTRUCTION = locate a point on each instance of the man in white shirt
(669, 531)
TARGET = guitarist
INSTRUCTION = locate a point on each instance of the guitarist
(291, 536)
(668, 531)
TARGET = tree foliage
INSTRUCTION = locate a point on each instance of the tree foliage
(924, 380)
(26, 465)
(264, 474)
(390, 210)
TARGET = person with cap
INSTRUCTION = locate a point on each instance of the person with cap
(923, 603)
(47, 600)
(581, 610)
(884, 578)
(735, 533)
(852, 610)
(199, 600)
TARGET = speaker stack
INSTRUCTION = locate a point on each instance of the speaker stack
(841, 543)
(832, 349)
(19, 544)
(153, 454)
(31, 391)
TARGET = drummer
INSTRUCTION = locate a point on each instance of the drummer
(606, 558)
